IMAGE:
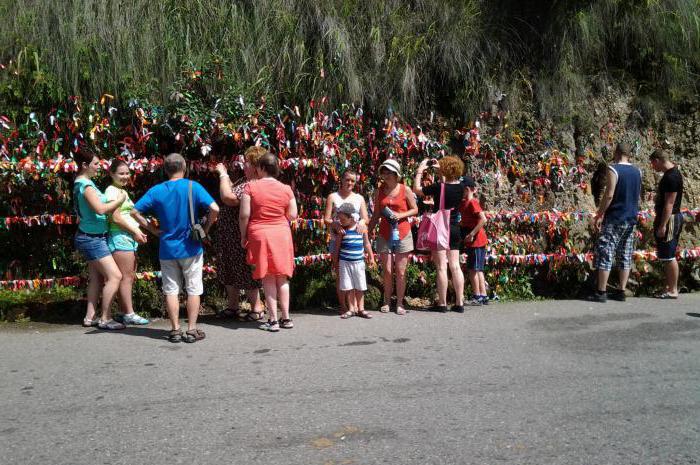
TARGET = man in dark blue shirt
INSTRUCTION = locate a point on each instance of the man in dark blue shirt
(616, 219)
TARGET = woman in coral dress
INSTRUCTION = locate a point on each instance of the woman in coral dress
(267, 207)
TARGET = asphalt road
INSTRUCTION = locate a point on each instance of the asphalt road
(559, 382)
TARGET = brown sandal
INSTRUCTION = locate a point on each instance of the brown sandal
(364, 314)
(175, 336)
(193, 335)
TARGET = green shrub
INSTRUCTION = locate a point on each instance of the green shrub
(54, 303)
(214, 298)
(373, 297)
(148, 298)
(421, 280)
(313, 287)
(513, 284)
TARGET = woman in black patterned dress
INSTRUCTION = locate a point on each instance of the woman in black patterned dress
(233, 270)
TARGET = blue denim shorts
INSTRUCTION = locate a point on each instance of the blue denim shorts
(121, 242)
(91, 246)
(476, 258)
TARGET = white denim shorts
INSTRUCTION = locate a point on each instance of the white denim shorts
(351, 275)
(174, 271)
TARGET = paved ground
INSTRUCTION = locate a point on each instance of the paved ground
(562, 382)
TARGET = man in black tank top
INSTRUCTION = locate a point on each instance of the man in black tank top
(616, 220)
(668, 221)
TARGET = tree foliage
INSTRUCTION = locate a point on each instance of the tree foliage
(451, 56)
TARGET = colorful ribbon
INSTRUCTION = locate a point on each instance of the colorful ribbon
(493, 259)
(508, 217)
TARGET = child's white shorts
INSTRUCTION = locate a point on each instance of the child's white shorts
(352, 275)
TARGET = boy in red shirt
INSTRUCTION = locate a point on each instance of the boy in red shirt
(474, 238)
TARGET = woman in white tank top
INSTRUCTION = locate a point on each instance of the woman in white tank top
(344, 195)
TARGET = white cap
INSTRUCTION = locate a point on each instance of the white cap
(349, 209)
(392, 165)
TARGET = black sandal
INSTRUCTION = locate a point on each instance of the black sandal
(286, 323)
(253, 316)
(175, 336)
(228, 313)
(193, 335)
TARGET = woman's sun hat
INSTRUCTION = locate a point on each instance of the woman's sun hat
(391, 165)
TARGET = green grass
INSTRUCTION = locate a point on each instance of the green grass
(450, 56)
(654, 44)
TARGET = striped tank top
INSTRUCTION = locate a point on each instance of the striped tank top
(352, 247)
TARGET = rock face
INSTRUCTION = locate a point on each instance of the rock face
(525, 165)
(683, 138)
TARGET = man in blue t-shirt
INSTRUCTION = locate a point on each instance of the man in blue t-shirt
(180, 255)
(616, 219)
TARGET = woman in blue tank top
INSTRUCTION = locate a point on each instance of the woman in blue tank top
(91, 241)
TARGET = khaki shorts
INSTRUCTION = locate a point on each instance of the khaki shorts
(405, 245)
(173, 272)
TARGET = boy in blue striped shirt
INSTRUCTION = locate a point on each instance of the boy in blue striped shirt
(349, 256)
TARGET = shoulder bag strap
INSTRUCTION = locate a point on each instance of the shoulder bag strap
(189, 201)
(442, 196)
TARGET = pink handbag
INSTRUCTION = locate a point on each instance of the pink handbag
(434, 228)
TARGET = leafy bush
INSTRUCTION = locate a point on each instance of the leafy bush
(312, 287)
(421, 280)
(512, 284)
(148, 298)
(38, 303)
